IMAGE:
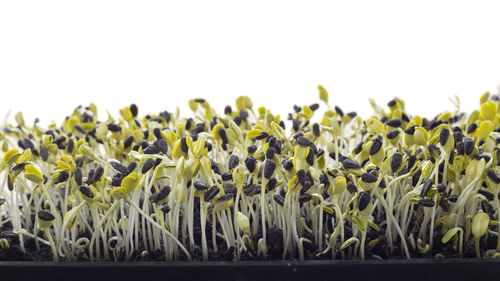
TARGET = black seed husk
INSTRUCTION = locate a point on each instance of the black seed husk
(86, 191)
(486, 193)
(288, 165)
(369, 178)
(165, 208)
(230, 188)
(279, 199)
(376, 146)
(114, 127)
(443, 136)
(303, 141)
(351, 187)
(251, 149)
(269, 167)
(45, 216)
(427, 203)
(316, 129)
(426, 188)
(200, 185)
(472, 128)
(128, 141)
(211, 193)
(394, 123)
(350, 164)
(396, 161)
(392, 134)
(492, 176)
(148, 164)
(250, 163)
(160, 195)
(119, 167)
(134, 110)
(271, 184)
(233, 161)
(364, 200)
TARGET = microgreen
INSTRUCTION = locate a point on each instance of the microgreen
(246, 185)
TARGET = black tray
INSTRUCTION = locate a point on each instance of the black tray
(401, 270)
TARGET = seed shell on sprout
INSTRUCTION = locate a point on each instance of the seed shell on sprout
(351, 187)
(316, 131)
(160, 195)
(396, 123)
(303, 141)
(350, 164)
(134, 110)
(428, 203)
(223, 135)
(392, 134)
(364, 200)
(211, 193)
(279, 199)
(376, 146)
(119, 167)
(307, 185)
(492, 176)
(358, 148)
(148, 164)
(233, 161)
(162, 146)
(314, 106)
(114, 127)
(288, 165)
(396, 161)
(99, 171)
(86, 191)
(251, 149)
(128, 141)
(468, 146)
(471, 128)
(230, 188)
(369, 178)
(201, 186)
(427, 185)
(444, 134)
(271, 184)
(184, 146)
(453, 198)
(44, 153)
(250, 163)
(45, 216)
(152, 149)
(301, 176)
(227, 176)
(339, 111)
(225, 197)
(131, 167)
(486, 193)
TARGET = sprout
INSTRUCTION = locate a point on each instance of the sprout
(479, 229)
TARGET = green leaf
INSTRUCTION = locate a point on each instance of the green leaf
(450, 233)
(348, 242)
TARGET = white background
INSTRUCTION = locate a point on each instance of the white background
(55, 55)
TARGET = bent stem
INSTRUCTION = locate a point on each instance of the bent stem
(159, 227)
(52, 244)
(391, 216)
